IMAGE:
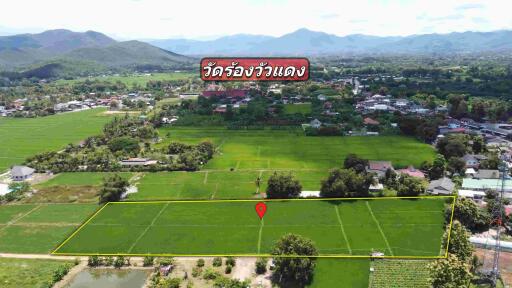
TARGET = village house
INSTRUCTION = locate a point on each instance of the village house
(487, 174)
(21, 173)
(379, 167)
(315, 123)
(473, 161)
(411, 171)
(443, 186)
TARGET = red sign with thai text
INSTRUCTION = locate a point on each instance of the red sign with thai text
(254, 69)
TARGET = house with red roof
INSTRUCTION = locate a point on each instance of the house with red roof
(411, 171)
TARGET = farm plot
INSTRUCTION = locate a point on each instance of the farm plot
(343, 228)
(277, 149)
(38, 228)
(24, 137)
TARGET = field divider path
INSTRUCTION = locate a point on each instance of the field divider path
(380, 228)
(342, 229)
(262, 223)
(147, 227)
(205, 177)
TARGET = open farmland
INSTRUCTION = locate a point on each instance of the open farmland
(243, 156)
(133, 80)
(277, 149)
(396, 227)
(24, 137)
(38, 228)
(16, 273)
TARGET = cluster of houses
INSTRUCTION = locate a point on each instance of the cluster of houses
(386, 103)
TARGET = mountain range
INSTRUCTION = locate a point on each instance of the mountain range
(62, 51)
(64, 47)
(307, 42)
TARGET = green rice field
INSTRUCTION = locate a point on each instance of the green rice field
(395, 227)
(38, 228)
(135, 79)
(24, 137)
(290, 149)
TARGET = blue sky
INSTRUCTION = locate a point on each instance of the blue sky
(196, 19)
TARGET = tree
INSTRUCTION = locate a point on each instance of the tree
(346, 183)
(456, 165)
(295, 271)
(410, 186)
(112, 189)
(438, 167)
(126, 144)
(451, 146)
(261, 265)
(478, 145)
(469, 215)
(459, 244)
(281, 186)
(450, 273)
(356, 163)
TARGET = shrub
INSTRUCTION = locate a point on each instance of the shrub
(231, 261)
(148, 261)
(119, 262)
(200, 262)
(165, 261)
(228, 269)
(94, 261)
(217, 262)
(210, 274)
(261, 266)
(196, 272)
(109, 261)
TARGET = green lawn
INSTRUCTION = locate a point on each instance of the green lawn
(302, 108)
(29, 273)
(23, 137)
(39, 228)
(131, 80)
(393, 226)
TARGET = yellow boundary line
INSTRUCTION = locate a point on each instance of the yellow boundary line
(453, 197)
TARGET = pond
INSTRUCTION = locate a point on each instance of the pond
(109, 278)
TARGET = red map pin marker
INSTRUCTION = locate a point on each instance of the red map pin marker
(261, 208)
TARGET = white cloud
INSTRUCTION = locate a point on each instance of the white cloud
(129, 19)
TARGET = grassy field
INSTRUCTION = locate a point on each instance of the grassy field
(341, 273)
(214, 184)
(135, 79)
(276, 149)
(23, 137)
(80, 179)
(400, 273)
(29, 273)
(253, 154)
(302, 108)
(38, 228)
(395, 227)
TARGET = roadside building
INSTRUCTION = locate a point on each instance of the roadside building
(487, 174)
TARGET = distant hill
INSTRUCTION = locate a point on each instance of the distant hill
(307, 42)
(59, 48)
(225, 45)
